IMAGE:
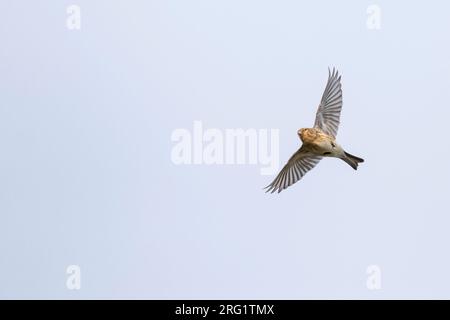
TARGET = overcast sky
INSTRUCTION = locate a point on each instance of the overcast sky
(87, 179)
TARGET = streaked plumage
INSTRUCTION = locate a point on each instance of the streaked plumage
(319, 141)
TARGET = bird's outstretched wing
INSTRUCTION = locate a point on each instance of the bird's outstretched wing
(329, 111)
(298, 165)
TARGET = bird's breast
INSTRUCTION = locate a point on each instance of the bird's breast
(323, 145)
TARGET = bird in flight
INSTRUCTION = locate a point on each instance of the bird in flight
(319, 141)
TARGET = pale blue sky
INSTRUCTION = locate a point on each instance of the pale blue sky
(86, 178)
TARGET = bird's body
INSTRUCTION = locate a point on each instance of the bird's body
(318, 142)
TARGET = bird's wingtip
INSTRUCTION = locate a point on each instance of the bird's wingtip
(270, 189)
(333, 72)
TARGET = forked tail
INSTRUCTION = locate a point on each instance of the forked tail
(352, 160)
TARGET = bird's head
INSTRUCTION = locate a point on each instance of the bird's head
(305, 134)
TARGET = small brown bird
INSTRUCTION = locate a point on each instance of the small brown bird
(318, 142)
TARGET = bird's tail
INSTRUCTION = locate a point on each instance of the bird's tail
(352, 160)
